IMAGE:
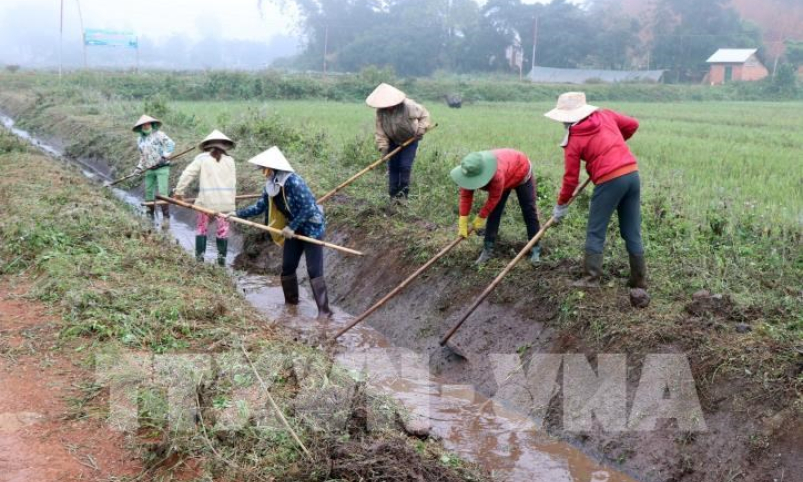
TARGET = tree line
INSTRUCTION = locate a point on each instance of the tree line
(420, 37)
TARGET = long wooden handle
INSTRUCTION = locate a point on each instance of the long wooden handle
(172, 158)
(401, 286)
(241, 197)
(369, 167)
(257, 225)
(507, 269)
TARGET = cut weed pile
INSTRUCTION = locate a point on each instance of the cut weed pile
(142, 311)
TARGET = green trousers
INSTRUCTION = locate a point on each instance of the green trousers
(157, 179)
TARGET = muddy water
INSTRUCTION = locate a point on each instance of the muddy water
(505, 442)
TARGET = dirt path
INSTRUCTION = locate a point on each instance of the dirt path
(39, 442)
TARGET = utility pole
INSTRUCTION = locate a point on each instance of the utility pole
(325, 47)
(83, 34)
(61, 37)
(535, 41)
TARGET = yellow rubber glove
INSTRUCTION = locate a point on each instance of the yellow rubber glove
(479, 224)
(462, 226)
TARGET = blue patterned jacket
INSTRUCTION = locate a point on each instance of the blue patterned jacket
(303, 214)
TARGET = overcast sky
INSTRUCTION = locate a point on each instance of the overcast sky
(29, 29)
(157, 19)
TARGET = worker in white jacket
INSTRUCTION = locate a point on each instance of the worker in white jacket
(217, 189)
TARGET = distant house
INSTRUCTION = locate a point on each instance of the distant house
(735, 65)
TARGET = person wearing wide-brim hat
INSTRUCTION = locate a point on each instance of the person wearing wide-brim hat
(290, 206)
(398, 119)
(155, 148)
(217, 190)
(498, 172)
(599, 137)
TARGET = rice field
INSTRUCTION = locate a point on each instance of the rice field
(734, 159)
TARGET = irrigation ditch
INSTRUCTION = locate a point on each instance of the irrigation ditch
(500, 439)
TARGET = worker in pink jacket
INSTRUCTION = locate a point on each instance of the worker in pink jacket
(599, 137)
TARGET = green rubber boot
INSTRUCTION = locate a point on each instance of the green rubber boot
(222, 249)
(200, 248)
(535, 255)
(592, 271)
(486, 254)
(638, 272)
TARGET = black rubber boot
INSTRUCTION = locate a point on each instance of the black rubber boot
(290, 289)
(165, 216)
(321, 297)
(592, 271)
(222, 249)
(200, 248)
(638, 272)
(152, 213)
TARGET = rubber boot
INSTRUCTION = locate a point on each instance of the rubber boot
(200, 248)
(290, 289)
(638, 272)
(486, 254)
(592, 271)
(321, 297)
(535, 255)
(222, 249)
(165, 217)
(152, 213)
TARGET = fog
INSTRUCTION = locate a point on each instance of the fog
(172, 33)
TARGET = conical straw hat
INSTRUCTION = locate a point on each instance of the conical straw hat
(385, 96)
(572, 107)
(217, 139)
(146, 119)
(273, 159)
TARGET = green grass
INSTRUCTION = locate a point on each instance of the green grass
(739, 159)
(121, 290)
(722, 208)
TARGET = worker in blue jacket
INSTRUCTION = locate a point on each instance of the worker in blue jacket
(291, 207)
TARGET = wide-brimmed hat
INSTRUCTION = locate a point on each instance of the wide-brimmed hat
(475, 170)
(272, 159)
(571, 107)
(146, 119)
(217, 139)
(385, 96)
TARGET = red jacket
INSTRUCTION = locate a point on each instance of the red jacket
(512, 169)
(599, 140)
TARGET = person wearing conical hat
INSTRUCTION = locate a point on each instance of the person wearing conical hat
(155, 148)
(217, 190)
(599, 137)
(498, 172)
(398, 119)
(290, 206)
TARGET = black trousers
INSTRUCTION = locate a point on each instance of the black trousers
(527, 197)
(400, 167)
(291, 257)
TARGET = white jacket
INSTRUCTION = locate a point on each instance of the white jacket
(217, 182)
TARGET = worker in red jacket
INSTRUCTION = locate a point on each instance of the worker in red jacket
(498, 172)
(598, 138)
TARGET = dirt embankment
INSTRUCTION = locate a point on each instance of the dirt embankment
(752, 428)
(42, 437)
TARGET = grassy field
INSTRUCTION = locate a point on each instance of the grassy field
(739, 159)
(721, 192)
